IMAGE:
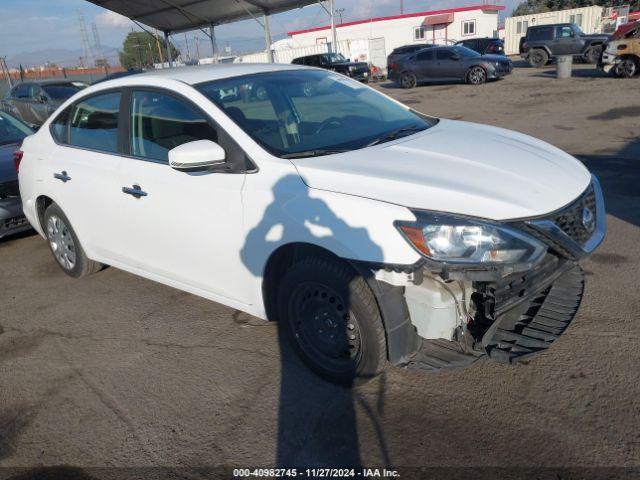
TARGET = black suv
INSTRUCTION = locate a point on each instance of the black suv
(493, 46)
(337, 63)
(544, 42)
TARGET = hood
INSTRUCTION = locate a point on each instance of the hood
(456, 167)
(492, 57)
(350, 64)
(595, 36)
(7, 169)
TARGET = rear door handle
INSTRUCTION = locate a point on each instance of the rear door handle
(62, 176)
(135, 191)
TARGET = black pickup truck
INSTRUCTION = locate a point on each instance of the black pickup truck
(337, 63)
(544, 42)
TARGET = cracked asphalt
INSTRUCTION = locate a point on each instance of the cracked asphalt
(117, 371)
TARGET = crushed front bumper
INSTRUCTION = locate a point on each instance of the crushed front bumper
(608, 62)
(12, 220)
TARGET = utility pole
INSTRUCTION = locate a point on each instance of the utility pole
(159, 49)
(214, 47)
(186, 41)
(334, 35)
(168, 42)
(401, 7)
(340, 11)
(267, 37)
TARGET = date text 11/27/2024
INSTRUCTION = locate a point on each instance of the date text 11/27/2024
(315, 473)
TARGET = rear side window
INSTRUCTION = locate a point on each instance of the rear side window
(426, 55)
(161, 122)
(94, 123)
(542, 33)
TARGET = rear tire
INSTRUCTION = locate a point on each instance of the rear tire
(408, 80)
(65, 246)
(538, 58)
(330, 316)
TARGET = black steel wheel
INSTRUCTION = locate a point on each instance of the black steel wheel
(330, 316)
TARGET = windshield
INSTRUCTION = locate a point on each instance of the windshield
(63, 91)
(310, 113)
(578, 30)
(334, 58)
(12, 130)
(465, 52)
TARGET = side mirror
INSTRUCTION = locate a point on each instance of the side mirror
(456, 57)
(197, 156)
(41, 99)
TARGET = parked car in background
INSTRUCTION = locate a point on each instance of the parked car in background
(372, 233)
(622, 52)
(447, 64)
(484, 45)
(337, 63)
(12, 132)
(543, 43)
(33, 101)
(113, 76)
(400, 52)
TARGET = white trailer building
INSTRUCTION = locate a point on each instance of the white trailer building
(439, 27)
(589, 19)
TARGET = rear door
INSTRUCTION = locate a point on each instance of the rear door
(423, 65)
(83, 171)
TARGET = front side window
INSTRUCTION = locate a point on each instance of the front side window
(161, 122)
(469, 27)
(61, 91)
(444, 54)
(21, 92)
(464, 52)
(310, 113)
(94, 123)
(564, 32)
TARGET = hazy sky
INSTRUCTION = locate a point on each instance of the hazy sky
(33, 25)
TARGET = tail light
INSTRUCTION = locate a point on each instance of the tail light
(525, 45)
(17, 158)
(394, 66)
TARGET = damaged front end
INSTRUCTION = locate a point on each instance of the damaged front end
(462, 311)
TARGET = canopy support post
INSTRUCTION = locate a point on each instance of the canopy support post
(168, 43)
(267, 37)
(334, 34)
(214, 46)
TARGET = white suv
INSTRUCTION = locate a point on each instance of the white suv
(374, 234)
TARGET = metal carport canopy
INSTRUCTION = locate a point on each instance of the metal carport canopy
(171, 16)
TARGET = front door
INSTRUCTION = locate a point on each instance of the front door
(182, 227)
(448, 64)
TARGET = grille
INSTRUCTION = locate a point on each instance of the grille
(570, 219)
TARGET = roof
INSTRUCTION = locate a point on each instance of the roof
(182, 15)
(202, 73)
(484, 7)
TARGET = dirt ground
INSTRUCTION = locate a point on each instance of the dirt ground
(117, 371)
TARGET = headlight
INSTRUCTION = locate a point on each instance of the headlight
(457, 240)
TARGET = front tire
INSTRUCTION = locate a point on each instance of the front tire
(593, 54)
(628, 67)
(476, 76)
(65, 246)
(330, 316)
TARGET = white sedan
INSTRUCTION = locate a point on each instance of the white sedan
(372, 233)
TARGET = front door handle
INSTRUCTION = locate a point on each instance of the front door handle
(135, 191)
(62, 176)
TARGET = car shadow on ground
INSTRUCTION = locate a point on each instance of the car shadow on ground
(576, 73)
(619, 176)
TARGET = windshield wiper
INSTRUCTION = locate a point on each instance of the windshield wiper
(312, 153)
(396, 134)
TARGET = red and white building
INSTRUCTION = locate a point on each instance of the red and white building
(438, 26)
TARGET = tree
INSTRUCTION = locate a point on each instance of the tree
(140, 50)
(527, 7)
